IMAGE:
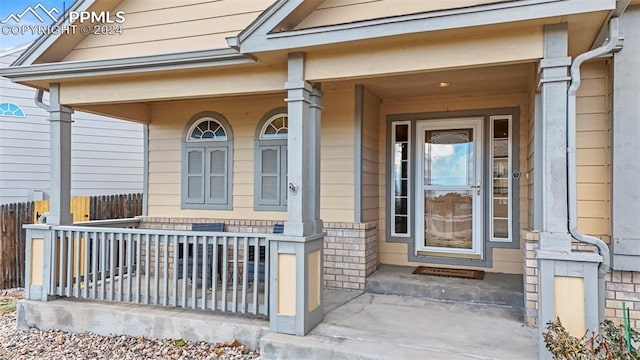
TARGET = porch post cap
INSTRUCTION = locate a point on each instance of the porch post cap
(298, 239)
(568, 256)
(37, 227)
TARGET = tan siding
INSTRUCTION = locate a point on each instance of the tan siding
(504, 260)
(175, 85)
(593, 150)
(338, 155)
(156, 27)
(345, 11)
(370, 157)
(439, 50)
(528, 147)
(165, 144)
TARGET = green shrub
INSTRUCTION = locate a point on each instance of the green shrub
(609, 344)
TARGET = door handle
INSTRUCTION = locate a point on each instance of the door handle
(477, 187)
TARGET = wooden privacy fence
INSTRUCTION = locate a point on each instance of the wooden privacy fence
(101, 207)
(12, 243)
(115, 206)
(84, 208)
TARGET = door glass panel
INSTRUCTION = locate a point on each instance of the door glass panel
(448, 157)
(500, 208)
(500, 228)
(448, 219)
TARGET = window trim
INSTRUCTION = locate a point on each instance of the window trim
(200, 120)
(392, 196)
(510, 185)
(266, 122)
(207, 146)
(261, 143)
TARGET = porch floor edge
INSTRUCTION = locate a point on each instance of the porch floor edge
(107, 319)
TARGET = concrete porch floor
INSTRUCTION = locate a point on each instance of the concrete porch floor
(374, 326)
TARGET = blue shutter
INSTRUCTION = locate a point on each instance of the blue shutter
(284, 175)
(269, 176)
(217, 170)
(194, 176)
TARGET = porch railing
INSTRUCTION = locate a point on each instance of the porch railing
(128, 223)
(221, 271)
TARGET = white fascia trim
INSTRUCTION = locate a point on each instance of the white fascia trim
(512, 11)
(141, 64)
(45, 41)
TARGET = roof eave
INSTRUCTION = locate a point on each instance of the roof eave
(512, 11)
(141, 64)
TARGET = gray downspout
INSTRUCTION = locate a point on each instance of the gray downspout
(39, 101)
(603, 249)
(42, 218)
(145, 174)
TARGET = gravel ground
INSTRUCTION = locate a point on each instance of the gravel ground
(60, 345)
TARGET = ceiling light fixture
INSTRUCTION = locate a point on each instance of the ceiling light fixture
(444, 84)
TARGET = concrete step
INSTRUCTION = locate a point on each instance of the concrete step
(280, 346)
(494, 289)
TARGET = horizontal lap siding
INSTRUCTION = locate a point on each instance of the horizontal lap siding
(155, 27)
(24, 142)
(370, 157)
(427, 51)
(528, 147)
(594, 150)
(165, 147)
(504, 260)
(338, 154)
(346, 11)
(106, 154)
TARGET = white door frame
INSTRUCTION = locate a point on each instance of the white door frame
(475, 123)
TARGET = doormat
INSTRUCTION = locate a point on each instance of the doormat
(458, 273)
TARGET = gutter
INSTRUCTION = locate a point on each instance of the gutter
(613, 39)
(118, 66)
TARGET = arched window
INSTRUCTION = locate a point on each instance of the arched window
(271, 161)
(276, 127)
(207, 129)
(11, 110)
(207, 162)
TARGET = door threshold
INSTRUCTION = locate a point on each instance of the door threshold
(450, 255)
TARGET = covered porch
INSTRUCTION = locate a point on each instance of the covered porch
(356, 325)
(343, 156)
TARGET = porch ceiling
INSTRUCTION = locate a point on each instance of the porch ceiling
(514, 78)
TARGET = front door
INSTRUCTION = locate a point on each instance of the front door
(449, 192)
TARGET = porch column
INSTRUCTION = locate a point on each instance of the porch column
(567, 282)
(60, 186)
(296, 256)
(554, 80)
(304, 110)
